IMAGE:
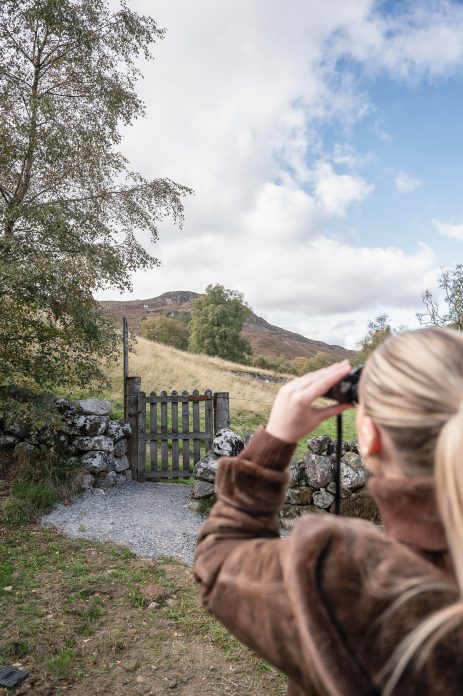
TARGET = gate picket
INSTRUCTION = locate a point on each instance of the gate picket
(174, 429)
(164, 445)
(154, 429)
(196, 429)
(186, 429)
(208, 419)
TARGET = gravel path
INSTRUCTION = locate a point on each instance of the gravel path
(152, 519)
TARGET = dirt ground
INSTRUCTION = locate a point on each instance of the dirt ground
(91, 618)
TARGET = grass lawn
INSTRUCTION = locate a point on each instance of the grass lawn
(74, 615)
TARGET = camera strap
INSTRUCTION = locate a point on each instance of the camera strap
(337, 476)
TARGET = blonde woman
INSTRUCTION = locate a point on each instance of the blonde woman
(340, 606)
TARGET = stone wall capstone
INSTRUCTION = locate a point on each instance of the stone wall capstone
(87, 435)
(311, 485)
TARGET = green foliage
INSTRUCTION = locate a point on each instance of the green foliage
(216, 323)
(378, 330)
(451, 284)
(205, 505)
(316, 362)
(165, 330)
(276, 364)
(68, 201)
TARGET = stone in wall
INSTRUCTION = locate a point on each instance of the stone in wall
(202, 489)
(323, 499)
(316, 470)
(298, 496)
(96, 407)
(97, 462)
(227, 443)
(206, 468)
(99, 443)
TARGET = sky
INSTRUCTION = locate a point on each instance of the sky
(324, 144)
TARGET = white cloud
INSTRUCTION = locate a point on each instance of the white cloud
(448, 230)
(235, 98)
(406, 183)
(336, 192)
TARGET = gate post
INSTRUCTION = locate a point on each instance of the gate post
(133, 391)
(221, 411)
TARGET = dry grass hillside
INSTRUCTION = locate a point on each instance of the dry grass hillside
(164, 368)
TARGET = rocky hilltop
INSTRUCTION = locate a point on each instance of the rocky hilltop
(264, 338)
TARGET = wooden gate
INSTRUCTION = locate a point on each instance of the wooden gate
(171, 432)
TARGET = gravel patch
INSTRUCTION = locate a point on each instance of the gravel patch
(152, 519)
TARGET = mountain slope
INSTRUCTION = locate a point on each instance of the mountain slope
(265, 339)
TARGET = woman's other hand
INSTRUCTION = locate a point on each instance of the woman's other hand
(293, 416)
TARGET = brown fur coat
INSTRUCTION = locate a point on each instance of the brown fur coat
(316, 604)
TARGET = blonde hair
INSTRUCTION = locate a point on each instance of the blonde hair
(412, 387)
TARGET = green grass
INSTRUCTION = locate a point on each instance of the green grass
(76, 613)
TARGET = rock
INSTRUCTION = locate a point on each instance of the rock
(289, 514)
(298, 496)
(96, 462)
(227, 443)
(120, 478)
(316, 471)
(323, 499)
(93, 407)
(8, 440)
(90, 425)
(206, 468)
(354, 474)
(153, 605)
(109, 480)
(120, 448)
(118, 429)
(202, 489)
(354, 447)
(16, 427)
(319, 444)
(121, 464)
(360, 504)
(155, 593)
(87, 481)
(294, 471)
(331, 487)
(25, 447)
(128, 475)
(99, 443)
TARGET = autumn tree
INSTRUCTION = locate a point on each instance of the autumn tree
(69, 203)
(216, 322)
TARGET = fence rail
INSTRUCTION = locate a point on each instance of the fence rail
(171, 432)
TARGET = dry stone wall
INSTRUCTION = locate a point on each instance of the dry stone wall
(311, 478)
(85, 434)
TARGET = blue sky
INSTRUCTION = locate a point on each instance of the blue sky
(324, 142)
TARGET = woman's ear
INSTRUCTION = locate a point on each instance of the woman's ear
(369, 436)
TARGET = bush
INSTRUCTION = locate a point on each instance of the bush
(275, 364)
(171, 332)
(316, 362)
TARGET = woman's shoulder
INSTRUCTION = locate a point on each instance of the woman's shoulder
(367, 587)
(354, 541)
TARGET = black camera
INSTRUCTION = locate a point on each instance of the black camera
(346, 390)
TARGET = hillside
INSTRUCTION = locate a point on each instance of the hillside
(265, 339)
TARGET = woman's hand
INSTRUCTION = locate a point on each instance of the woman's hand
(293, 416)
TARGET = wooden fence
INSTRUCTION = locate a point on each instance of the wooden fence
(171, 432)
